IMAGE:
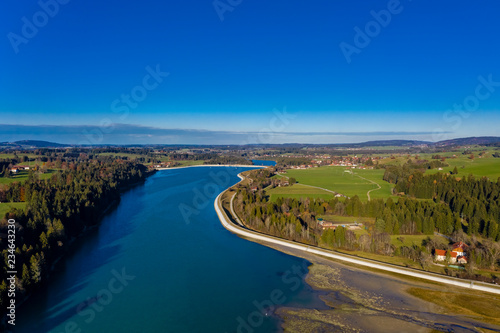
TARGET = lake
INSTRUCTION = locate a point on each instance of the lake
(162, 262)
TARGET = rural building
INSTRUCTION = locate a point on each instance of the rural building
(327, 225)
(455, 257)
(461, 259)
(460, 248)
(440, 255)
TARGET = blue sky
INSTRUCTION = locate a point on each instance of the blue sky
(267, 72)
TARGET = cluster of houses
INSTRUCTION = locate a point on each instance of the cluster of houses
(456, 256)
(331, 225)
(160, 165)
(303, 166)
(18, 168)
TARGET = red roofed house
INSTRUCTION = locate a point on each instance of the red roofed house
(440, 255)
(453, 257)
(460, 248)
(462, 259)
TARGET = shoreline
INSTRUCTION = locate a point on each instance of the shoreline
(260, 237)
(71, 241)
(214, 165)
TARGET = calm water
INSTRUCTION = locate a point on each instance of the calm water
(263, 162)
(162, 262)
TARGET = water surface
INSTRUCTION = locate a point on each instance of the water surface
(162, 262)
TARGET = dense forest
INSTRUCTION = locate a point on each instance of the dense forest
(466, 209)
(477, 201)
(57, 210)
(229, 159)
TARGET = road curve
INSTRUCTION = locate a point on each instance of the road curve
(342, 257)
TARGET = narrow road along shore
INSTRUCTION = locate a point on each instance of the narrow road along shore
(241, 231)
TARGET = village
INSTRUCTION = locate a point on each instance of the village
(458, 255)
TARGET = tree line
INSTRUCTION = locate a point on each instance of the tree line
(452, 211)
(57, 210)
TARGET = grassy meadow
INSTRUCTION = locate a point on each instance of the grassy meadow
(6, 206)
(23, 175)
(297, 191)
(334, 178)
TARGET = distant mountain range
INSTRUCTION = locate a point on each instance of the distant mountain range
(32, 144)
(386, 143)
(482, 140)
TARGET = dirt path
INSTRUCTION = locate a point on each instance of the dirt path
(320, 188)
(371, 181)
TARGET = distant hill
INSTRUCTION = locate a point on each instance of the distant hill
(32, 144)
(386, 143)
(481, 140)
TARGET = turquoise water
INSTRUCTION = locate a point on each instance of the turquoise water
(162, 262)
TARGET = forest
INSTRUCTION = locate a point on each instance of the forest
(58, 210)
(464, 210)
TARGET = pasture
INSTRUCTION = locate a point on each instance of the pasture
(6, 206)
(298, 191)
(335, 178)
(21, 176)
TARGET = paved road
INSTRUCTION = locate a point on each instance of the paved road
(346, 258)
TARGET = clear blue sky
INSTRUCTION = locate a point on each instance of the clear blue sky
(227, 78)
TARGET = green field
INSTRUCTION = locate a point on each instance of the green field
(336, 179)
(347, 219)
(23, 175)
(481, 167)
(487, 166)
(6, 206)
(410, 240)
(11, 156)
(298, 191)
(190, 162)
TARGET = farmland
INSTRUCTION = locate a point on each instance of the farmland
(23, 175)
(6, 206)
(297, 191)
(485, 166)
(335, 178)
